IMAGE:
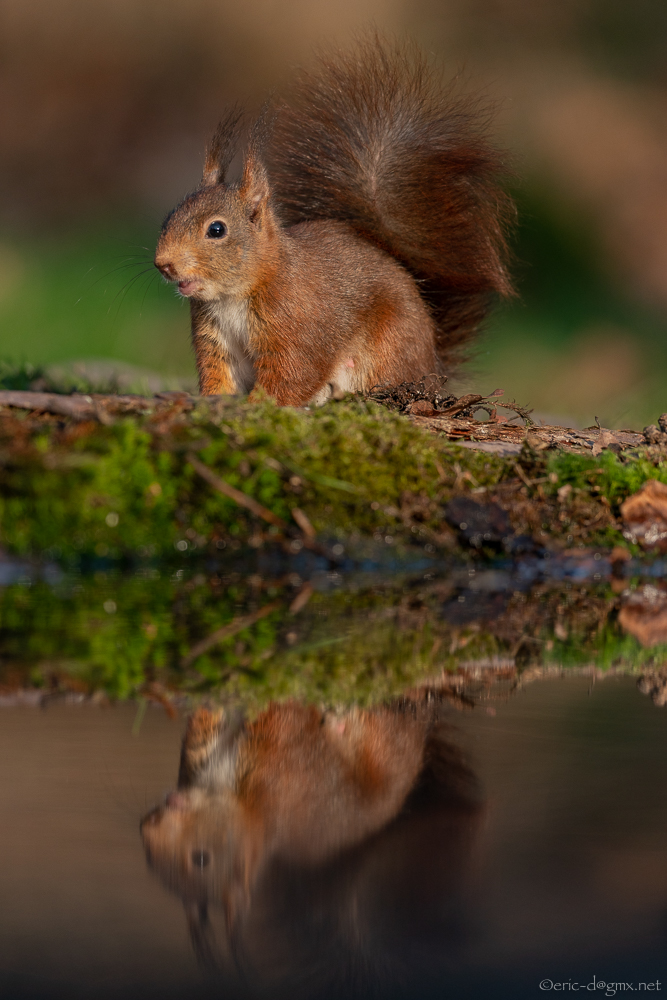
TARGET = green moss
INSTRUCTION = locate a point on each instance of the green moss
(353, 467)
(128, 486)
(607, 475)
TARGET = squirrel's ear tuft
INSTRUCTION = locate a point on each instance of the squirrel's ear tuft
(255, 189)
(221, 148)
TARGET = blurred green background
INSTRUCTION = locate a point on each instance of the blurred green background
(106, 109)
(81, 300)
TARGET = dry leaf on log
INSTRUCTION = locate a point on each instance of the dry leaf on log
(644, 516)
(606, 439)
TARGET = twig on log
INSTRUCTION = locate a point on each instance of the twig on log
(520, 411)
(524, 478)
(521, 474)
(305, 532)
(242, 499)
(303, 522)
(461, 404)
(236, 625)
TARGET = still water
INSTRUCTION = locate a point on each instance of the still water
(506, 832)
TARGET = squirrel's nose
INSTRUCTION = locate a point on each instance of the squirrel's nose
(166, 268)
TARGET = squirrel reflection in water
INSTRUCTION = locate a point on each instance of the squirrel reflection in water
(311, 845)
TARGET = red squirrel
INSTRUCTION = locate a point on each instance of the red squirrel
(296, 786)
(296, 782)
(362, 245)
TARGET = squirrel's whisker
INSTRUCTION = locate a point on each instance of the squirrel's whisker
(137, 246)
(125, 289)
(114, 270)
(148, 286)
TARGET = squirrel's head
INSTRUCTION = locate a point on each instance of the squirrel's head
(205, 842)
(206, 846)
(215, 242)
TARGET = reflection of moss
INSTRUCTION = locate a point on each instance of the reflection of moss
(128, 489)
(115, 632)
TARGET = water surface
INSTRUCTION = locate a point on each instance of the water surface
(541, 855)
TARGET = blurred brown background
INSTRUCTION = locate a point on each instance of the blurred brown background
(105, 112)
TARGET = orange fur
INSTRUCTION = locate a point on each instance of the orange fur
(301, 790)
(368, 226)
(213, 368)
(297, 782)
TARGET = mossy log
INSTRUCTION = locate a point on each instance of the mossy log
(154, 483)
(120, 475)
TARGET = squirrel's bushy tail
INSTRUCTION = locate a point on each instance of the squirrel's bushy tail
(372, 139)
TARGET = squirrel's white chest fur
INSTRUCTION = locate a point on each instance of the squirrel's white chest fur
(230, 318)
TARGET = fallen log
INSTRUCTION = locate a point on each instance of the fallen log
(96, 406)
(479, 433)
(494, 436)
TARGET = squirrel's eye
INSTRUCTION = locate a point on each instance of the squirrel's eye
(200, 858)
(216, 230)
